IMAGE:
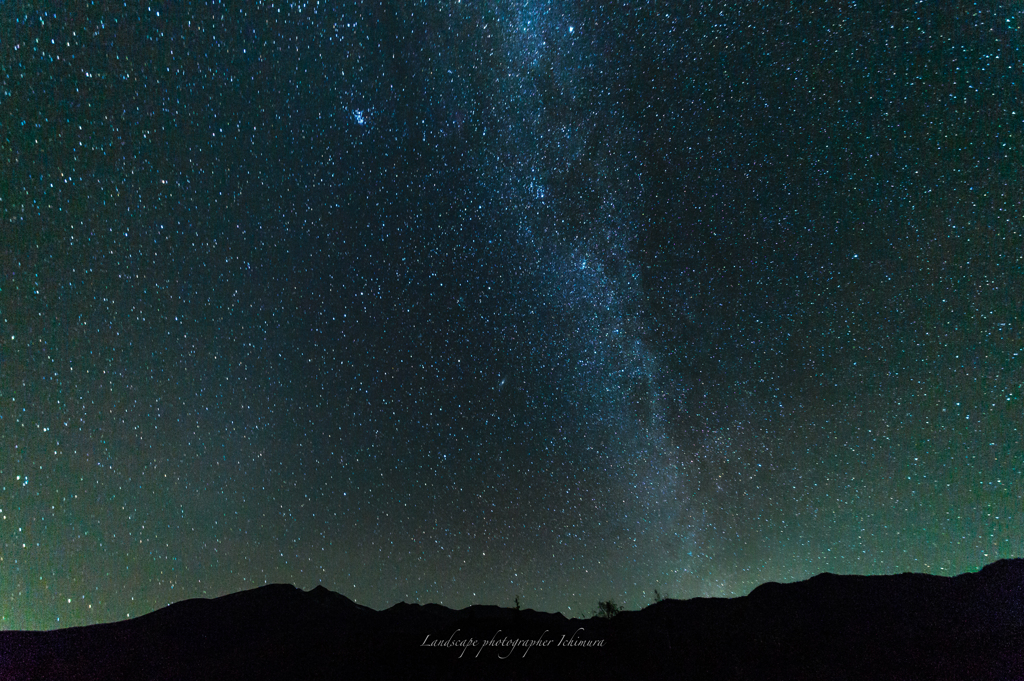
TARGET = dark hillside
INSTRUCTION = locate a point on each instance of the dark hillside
(907, 626)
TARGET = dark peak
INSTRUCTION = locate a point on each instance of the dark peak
(659, 605)
(269, 593)
(1004, 566)
(322, 595)
(427, 608)
(767, 589)
(275, 589)
(487, 612)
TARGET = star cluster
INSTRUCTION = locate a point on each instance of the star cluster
(461, 301)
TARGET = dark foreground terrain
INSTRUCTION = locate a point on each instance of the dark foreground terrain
(906, 626)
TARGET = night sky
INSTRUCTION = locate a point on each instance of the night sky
(457, 301)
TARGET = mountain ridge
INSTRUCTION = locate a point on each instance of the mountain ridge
(905, 626)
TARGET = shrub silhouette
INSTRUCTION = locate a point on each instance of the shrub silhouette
(608, 609)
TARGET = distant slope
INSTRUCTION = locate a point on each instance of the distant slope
(906, 626)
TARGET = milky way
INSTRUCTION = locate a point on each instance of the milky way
(457, 302)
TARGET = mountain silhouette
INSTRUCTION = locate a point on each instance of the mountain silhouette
(908, 626)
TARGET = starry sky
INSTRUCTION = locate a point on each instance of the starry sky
(453, 301)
